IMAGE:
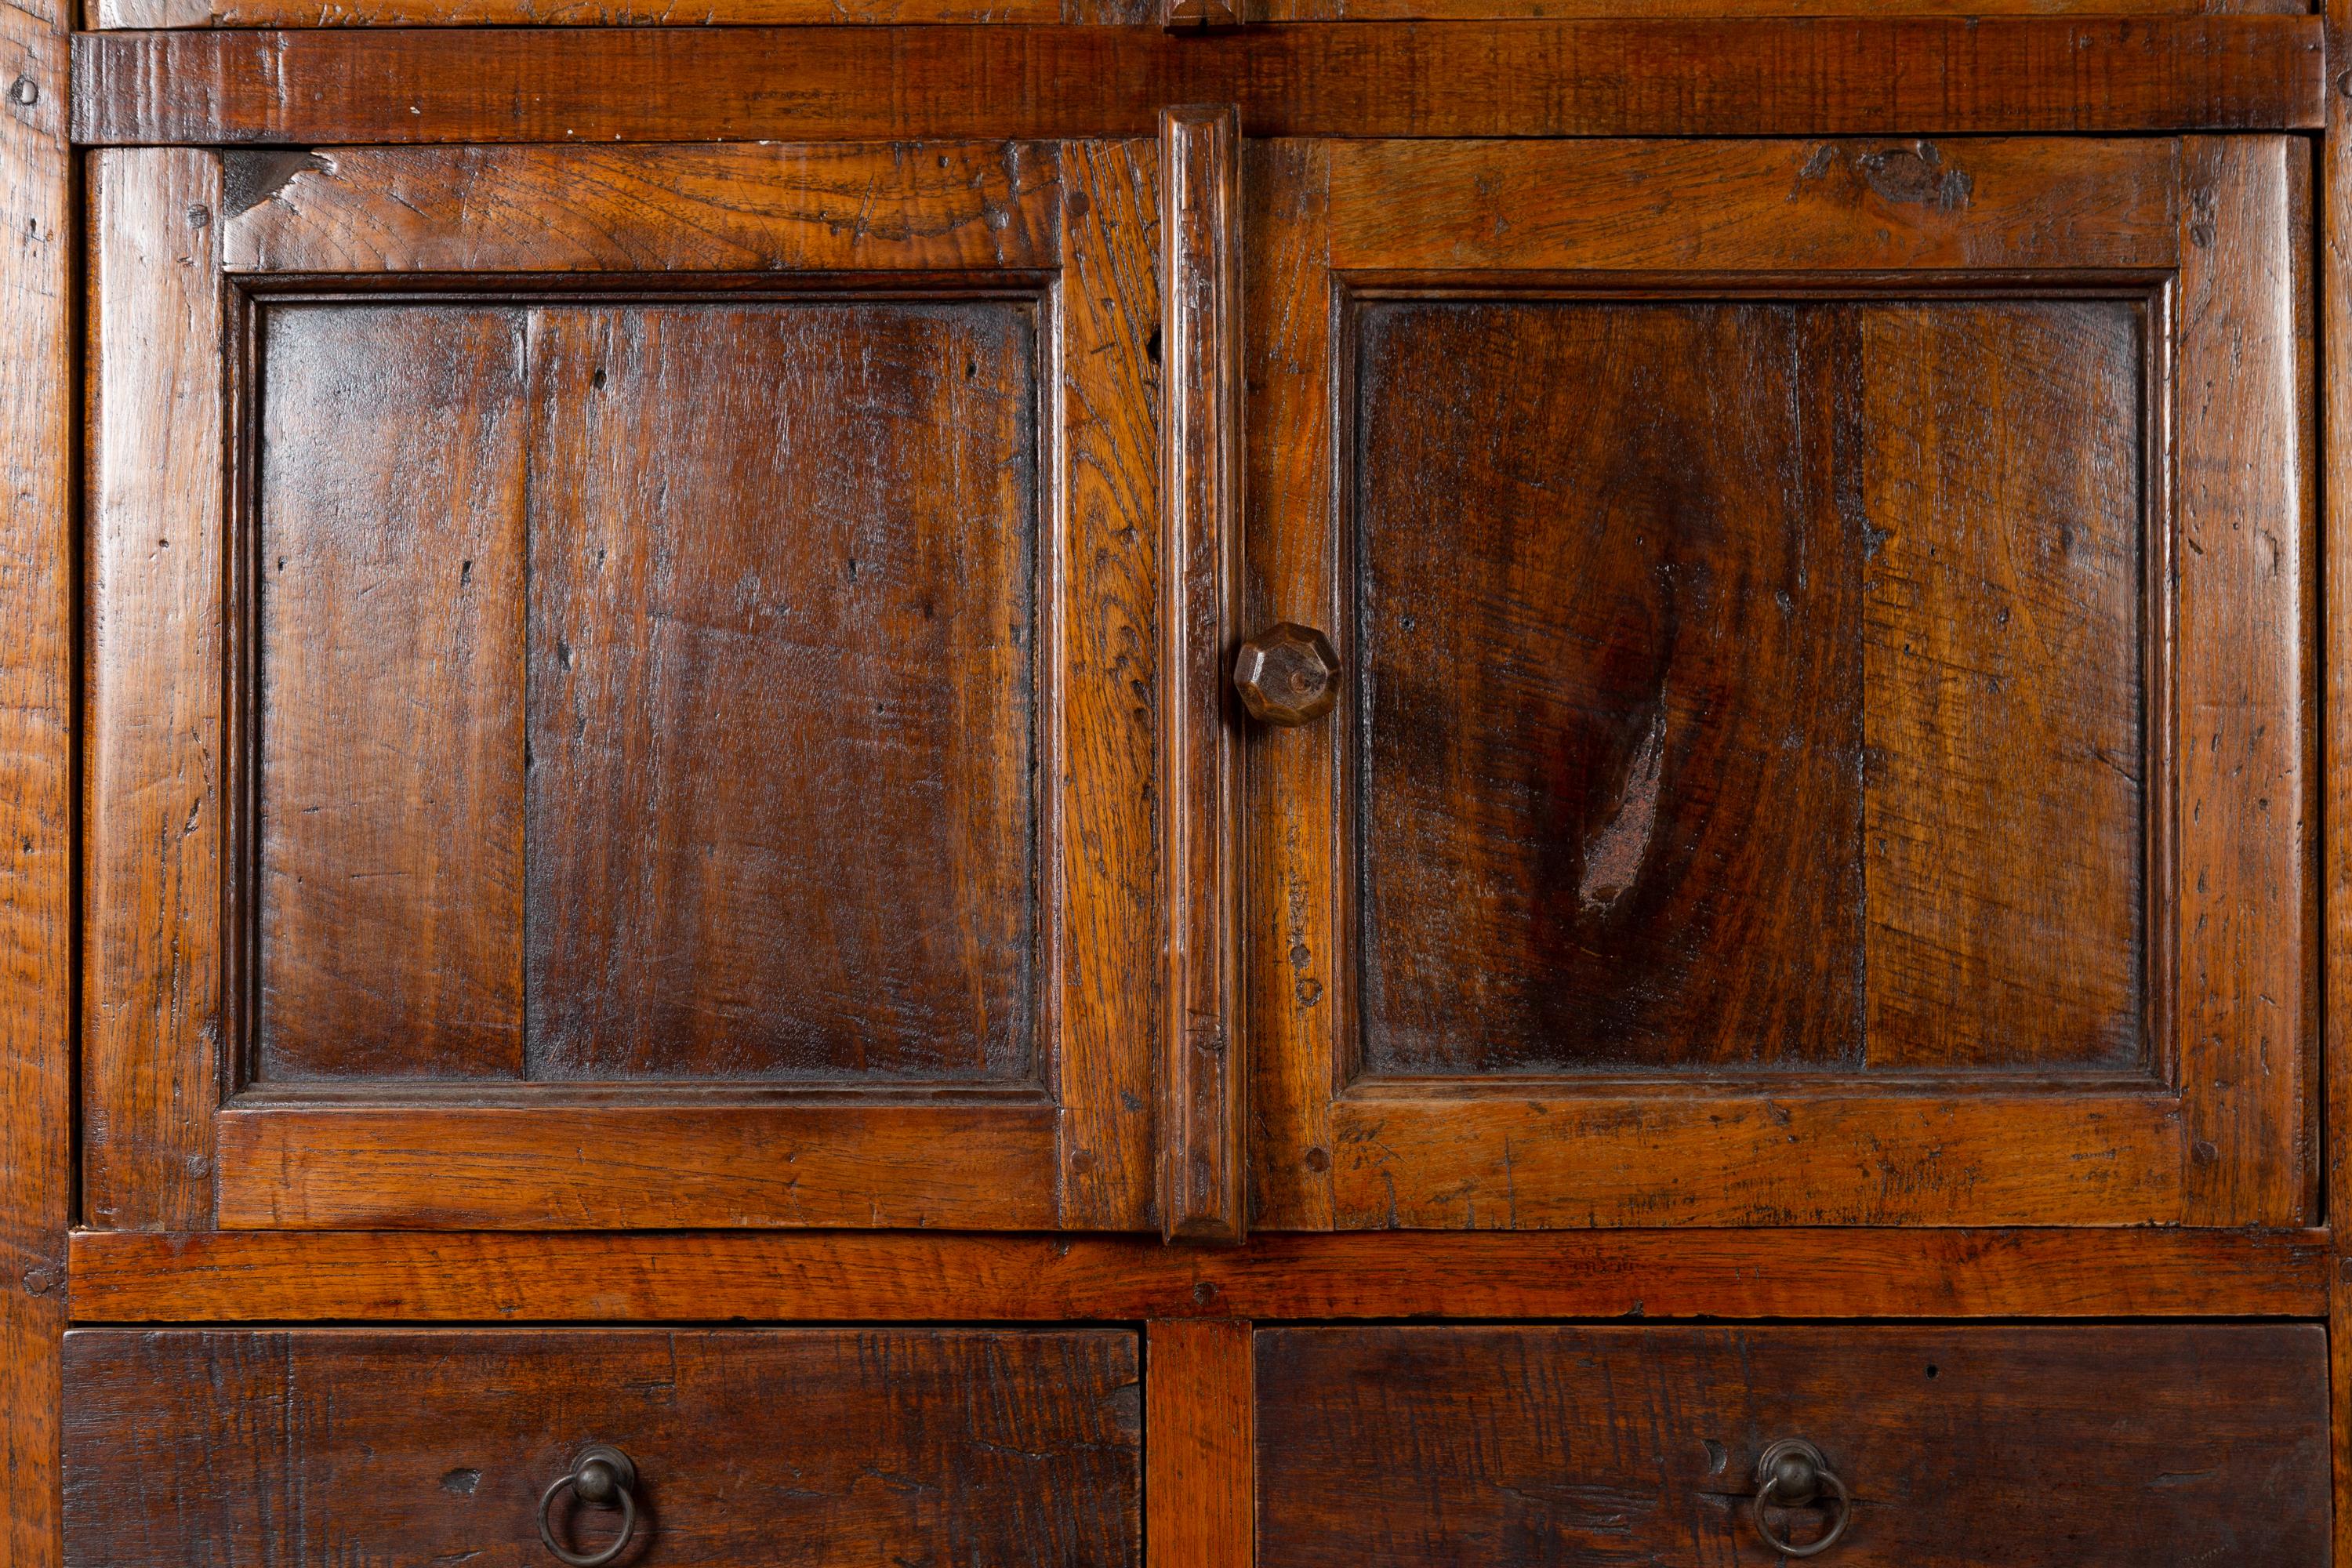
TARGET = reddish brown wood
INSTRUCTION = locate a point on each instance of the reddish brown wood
(1293, 912)
(2339, 1397)
(1846, 1273)
(586, 209)
(2066, 1037)
(619, 447)
(389, 581)
(1202, 1457)
(785, 692)
(1113, 970)
(538, 1162)
(1778, 76)
(1202, 1089)
(889, 1446)
(151, 956)
(2248, 1056)
(2334, 646)
(1960, 1444)
(37, 851)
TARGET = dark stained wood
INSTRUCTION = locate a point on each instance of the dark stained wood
(1845, 1273)
(1112, 968)
(2006, 682)
(1605, 676)
(2054, 1061)
(1296, 987)
(644, 209)
(1961, 1444)
(37, 851)
(1198, 1395)
(663, 1162)
(1384, 10)
(2003, 201)
(1780, 76)
(2339, 1396)
(391, 579)
(2248, 1056)
(784, 689)
(1202, 1085)
(384, 1102)
(908, 1446)
(2335, 688)
(573, 13)
(151, 684)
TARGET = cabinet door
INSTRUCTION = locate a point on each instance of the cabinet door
(601, 665)
(1822, 730)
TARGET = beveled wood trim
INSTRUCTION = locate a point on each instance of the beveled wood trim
(264, 1276)
(2245, 912)
(1200, 1402)
(152, 690)
(719, 209)
(602, 1167)
(1201, 1174)
(36, 767)
(1661, 77)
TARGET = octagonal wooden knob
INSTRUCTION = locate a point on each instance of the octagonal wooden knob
(1287, 675)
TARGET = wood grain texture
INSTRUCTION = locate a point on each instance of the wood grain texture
(38, 539)
(1544, 1445)
(1879, 75)
(1295, 984)
(2335, 411)
(641, 209)
(262, 1449)
(1202, 1460)
(391, 574)
(783, 691)
(599, 1167)
(2006, 666)
(1112, 966)
(2248, 1052)
(152, 957)
(1865, 204)
(1606, 687)
(259, 1275)
(2339, 1398)
(117, 14)
(1683, 1155)
(1204, 1067)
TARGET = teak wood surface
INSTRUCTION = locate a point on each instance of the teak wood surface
(187, 247)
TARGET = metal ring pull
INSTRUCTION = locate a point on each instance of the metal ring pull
(1793, 1474)
(600, 1473)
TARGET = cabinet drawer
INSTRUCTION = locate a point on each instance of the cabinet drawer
(350, 1447)
(2083, 1446)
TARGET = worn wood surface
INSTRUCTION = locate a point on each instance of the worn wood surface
(1840, 1273)
(1605, 687)
(665, 1162)
(151, 686)
(2335, 686)
(783, 691)
(1200, 468)
(728, 207)
(599, 633)
(2339, 1397)
(387, 764)
(2248, 1054)
(1961, 1444)
(37, 849)
(1296, 989)
(1781, 77)
(1200, 1460)
(1112, 970)
(416, 1445)
(2027, 995)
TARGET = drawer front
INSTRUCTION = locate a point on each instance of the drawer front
(348, 1447)
(2083, 1446)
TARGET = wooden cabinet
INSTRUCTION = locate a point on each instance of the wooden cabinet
(1177, 790)
(1825, 732)
(647, 733)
